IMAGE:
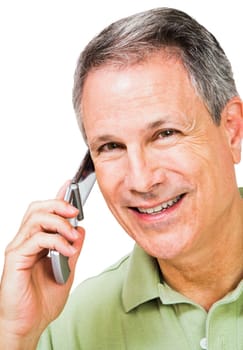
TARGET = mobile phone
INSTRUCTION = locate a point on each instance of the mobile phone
(76, 194)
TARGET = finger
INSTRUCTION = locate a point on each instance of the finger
(62, 190)
(50, 223)
(25, 256)
(56, 206)
(29, 261)
(45, 222)
(78, 244)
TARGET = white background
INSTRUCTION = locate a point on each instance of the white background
(40, 143)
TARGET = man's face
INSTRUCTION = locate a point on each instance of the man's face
(164, 168)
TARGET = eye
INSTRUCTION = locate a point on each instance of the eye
(109, 147)
(167, 133)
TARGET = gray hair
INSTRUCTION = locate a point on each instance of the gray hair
(133, 39)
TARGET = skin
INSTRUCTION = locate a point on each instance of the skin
(27, 273)
(154, 141)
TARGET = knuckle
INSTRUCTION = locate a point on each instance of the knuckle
(7, 249)
(35, 205)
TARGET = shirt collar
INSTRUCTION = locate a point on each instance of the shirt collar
(141, 281)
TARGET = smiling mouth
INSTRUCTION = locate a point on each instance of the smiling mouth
(161, 207)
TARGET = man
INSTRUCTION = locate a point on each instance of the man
(156, 100)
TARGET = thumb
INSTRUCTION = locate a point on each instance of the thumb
(78, 244)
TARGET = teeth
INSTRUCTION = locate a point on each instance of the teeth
(160, 207)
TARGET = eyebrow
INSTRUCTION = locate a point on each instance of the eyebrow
(156, 124)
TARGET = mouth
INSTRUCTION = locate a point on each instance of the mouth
(159, 208)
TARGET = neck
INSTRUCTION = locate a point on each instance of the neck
(208, 275)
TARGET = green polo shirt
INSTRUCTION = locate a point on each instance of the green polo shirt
(130, 307)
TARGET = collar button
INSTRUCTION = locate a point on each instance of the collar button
(203, 343)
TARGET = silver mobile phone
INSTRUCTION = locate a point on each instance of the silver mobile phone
(76, 194)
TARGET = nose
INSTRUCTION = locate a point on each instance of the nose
(144, 172)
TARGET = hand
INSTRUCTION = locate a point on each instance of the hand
(29, 296)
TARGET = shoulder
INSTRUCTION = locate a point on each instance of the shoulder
(95, 298)
(107, 284)
(95, 304)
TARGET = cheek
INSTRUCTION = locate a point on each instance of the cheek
(107, 179)
(210, 170)
(196, 157)
(189, 162)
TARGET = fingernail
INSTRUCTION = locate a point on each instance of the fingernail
(73, 250)
(73, 209)
(75, 233)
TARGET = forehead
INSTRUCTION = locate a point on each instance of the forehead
(160, 84)
(165, 71)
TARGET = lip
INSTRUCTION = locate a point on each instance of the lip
(159, 214)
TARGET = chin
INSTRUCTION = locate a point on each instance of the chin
(165, 249)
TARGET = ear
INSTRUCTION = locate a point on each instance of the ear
(232, 120)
